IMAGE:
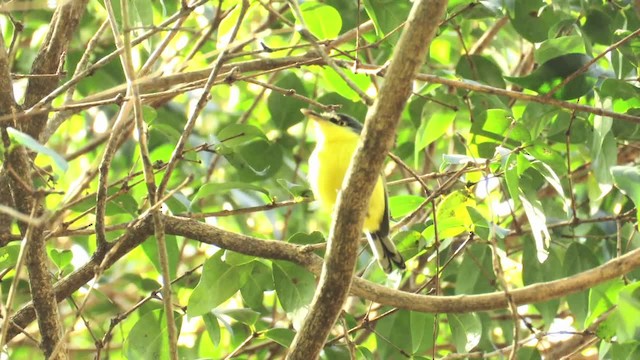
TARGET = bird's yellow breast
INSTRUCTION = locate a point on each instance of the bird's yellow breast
(328, 165)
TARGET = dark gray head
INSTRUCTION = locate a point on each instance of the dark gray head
(339, 119)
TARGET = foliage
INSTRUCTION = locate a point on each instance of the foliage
(524, 124)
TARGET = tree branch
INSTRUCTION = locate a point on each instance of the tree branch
(8, 106)
(64, 23)
(303, 255)
(376, 140)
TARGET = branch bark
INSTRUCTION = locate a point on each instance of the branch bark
(48, 61)
(7, 107)
(376, 140)
(304, 256)
(150, 85)
(64, 23)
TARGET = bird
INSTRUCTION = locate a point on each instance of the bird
(337, 137)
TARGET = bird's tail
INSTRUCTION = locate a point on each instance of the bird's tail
(385, 252)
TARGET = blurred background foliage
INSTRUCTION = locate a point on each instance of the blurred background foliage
(549, 190)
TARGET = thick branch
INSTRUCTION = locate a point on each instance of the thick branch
(304, 256)
(40, 281)
(7, 106)
(377, 140)
(49, 60)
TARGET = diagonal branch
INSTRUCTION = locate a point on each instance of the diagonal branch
(376, 140)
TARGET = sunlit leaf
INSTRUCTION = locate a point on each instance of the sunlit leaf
(402, 205)
(322, 20)
(32, 144)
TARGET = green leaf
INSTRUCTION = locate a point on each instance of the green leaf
(226, 26)
(497, 125)
(256, 160)
(475, 274)
(315, 237)
(625, 351)
(27, 141)
(481, 69)
(481, 226)
(598, 27)
(628, 329)
(9, 255)
(563, 45)
(150, 248)
(552, 179)
(148, 338)
(452, 216)
(536, 118)
(626, 178)
(387, 15)
(607, 329)
(392, 333)
(512, 178)
(533, 19)
(537, 219)
(295, 190)
(533, 271)
(61, 258)
(253, 290)
(528, 353)
(213, 328)
(466, 331)
(364, 353)
(245, 316)
(213, 189)
(168, 132)
(282, 336)
(294, 285)
(433, 126)
(603, 297)
(422, 325)
(218, 275)
(333, 82)
(143, 12)
(578, 258)
(322, 20)
(285, 110)
(252, 293)
(604, 152)
(239, 134)
(402, 205)
(554, 71)
(123, 204)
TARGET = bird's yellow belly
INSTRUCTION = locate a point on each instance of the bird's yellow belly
(328, 165)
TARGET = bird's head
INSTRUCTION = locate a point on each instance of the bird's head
(332, 126)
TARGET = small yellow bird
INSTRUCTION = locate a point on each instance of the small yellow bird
(337, 137)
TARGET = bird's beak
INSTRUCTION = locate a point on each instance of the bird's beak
(312, 114)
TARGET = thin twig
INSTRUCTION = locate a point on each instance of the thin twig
(204, 98)
(584, 68)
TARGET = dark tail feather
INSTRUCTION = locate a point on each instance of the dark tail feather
(385, 252)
